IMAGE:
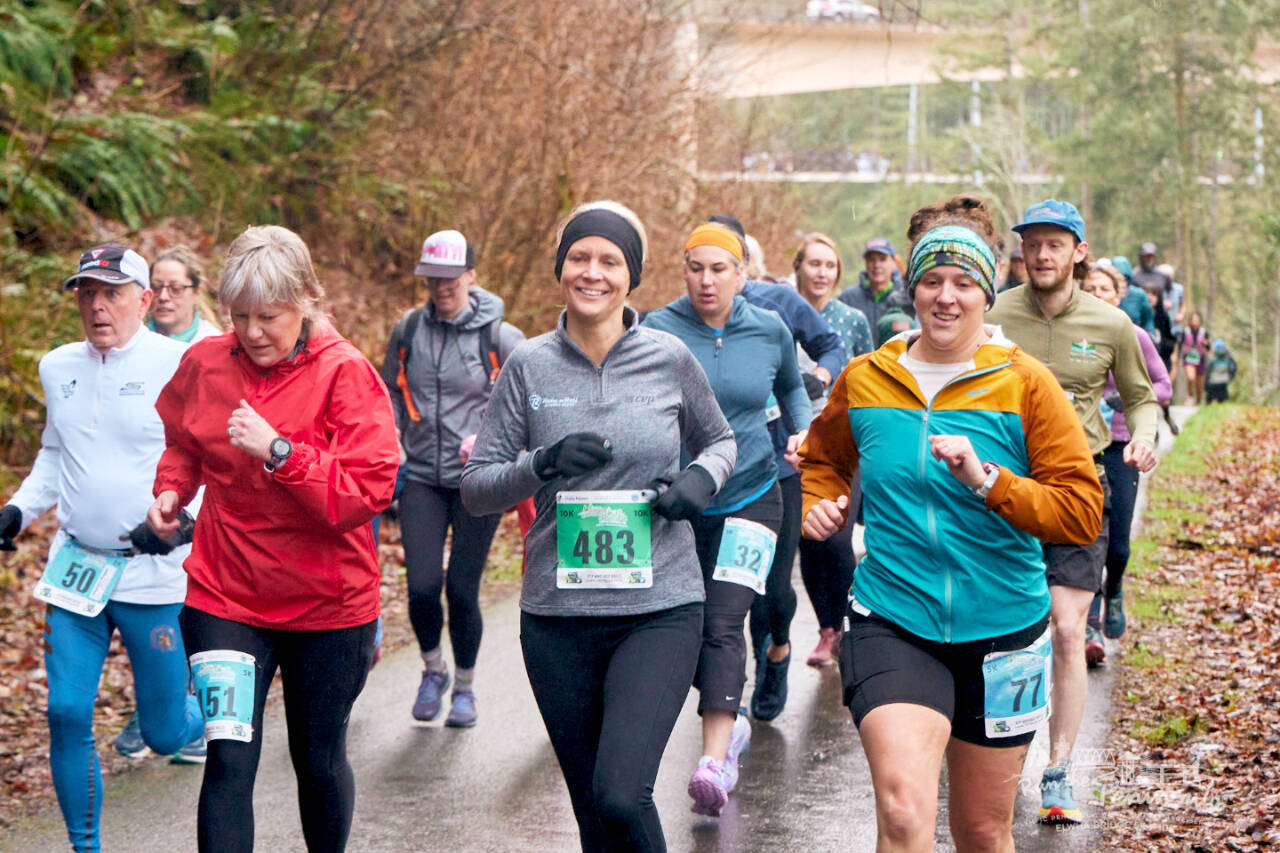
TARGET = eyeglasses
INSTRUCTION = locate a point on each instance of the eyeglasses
(175, 289)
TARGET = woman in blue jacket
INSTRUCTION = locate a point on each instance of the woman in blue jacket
(747, 354)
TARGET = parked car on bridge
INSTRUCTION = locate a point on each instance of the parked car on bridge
(842, 10)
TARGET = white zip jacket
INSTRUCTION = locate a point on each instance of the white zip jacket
(97, 460)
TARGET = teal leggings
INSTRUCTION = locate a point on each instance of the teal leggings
(75, 650)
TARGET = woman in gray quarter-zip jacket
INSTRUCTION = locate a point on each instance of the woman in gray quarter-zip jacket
(585, 418)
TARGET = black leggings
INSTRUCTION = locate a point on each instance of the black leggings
(827, 569)
(323, 673)
(771, 613)
(426, 515)
(722, 663)
(609, 689)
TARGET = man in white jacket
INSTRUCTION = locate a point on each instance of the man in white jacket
(107, 569)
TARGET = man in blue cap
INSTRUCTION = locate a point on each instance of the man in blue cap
(1080, 339)
(880, 286)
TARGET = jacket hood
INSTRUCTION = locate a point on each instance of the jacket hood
(482, 309)
(995, 351)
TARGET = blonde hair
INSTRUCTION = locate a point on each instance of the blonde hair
(822, 239)
(755, 259)
(268, 264)
(613, 207)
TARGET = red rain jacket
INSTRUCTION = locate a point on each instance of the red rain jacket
(290, 549)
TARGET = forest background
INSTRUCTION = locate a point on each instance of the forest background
(367, 125)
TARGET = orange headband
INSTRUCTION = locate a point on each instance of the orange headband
(712, 234)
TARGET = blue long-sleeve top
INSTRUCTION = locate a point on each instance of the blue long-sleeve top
(752, 357)
(814, 335)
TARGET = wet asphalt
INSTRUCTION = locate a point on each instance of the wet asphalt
(423, 787)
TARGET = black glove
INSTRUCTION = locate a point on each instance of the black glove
(1113, 400)
(813, 386)
(576, 453)
(146, 541)
(10, 526)
(687, 496)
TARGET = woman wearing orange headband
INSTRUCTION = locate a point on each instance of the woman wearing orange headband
(750, 359)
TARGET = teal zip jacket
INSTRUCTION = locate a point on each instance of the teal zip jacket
(753, 355)
(941, 562)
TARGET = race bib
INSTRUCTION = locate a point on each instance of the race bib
(80, 579)
(1219, 374)
(746, 554)
(603, 540)
(1016, 688)
(1193, 357)
(224, 681)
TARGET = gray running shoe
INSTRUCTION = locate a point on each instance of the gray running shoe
(129, 742)
(462, 710)
(193, 753)
(426, 707)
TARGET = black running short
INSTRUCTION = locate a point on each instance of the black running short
(882, 664)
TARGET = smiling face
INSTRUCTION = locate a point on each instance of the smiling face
(450, 295)
(1051, 254)
(950, 306)
(594, 281)
(1100, 285)
(111, 313)
(880, 269)
(818, 273)
(268, 333)
(174, 308)
(713, 276)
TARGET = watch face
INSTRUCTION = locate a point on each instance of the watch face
(280, 447)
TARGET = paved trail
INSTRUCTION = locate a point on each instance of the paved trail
(805, 784)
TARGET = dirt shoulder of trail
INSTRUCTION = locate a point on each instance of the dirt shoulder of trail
(1193, 759)
(26, 786)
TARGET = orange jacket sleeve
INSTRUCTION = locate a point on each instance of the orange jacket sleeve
(829, 456)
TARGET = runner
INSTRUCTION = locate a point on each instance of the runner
(101, 441)
(1017, 275)
(827, 566)
(291, 432)
(175, 312)
(441, 363)
(175, 280)
(1105, 282)
(749, 357)
(1195, 347)
(1133, 301)
(771, 614)
(880, 287)
(611, 607)
(1150, 274)
(1080, 339)
(1219, 372)
(970, 455)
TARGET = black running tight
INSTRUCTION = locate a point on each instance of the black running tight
(323, 673)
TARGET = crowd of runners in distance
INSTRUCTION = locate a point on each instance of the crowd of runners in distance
(950, 445)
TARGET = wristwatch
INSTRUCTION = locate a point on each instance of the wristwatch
(993, 473)
(279, 448)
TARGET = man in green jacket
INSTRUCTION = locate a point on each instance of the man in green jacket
(1081, 339)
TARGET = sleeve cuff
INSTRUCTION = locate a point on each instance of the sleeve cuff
(300, 461)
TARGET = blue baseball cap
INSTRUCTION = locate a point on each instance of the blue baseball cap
(879, 245)
(1053, 212)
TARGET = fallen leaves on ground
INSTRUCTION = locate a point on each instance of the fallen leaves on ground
(1194, 756)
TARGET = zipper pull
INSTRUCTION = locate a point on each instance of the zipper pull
(719, 341)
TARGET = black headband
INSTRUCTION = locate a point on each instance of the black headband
(612, 227)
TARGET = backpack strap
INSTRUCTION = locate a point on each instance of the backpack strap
(489, 354)
(406, 349)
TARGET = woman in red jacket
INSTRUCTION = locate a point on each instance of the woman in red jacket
(290, 430)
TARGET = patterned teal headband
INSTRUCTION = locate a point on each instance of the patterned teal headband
(954, 245)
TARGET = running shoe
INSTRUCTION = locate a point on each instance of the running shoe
(193, 753)
(770, 695)
(129, 742)
(739, 743)
(1057, 802)
(430, 695)
(1114, 624)
(462, 710)
(1095, 648)
(706, 787)
(825, 652)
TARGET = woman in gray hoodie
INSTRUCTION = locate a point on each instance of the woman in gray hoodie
(591, 419)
